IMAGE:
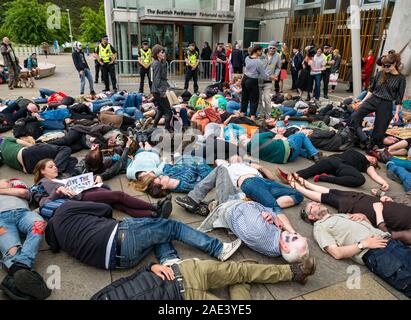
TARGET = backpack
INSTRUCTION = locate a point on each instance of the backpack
(27, 127)
(5, 124)
(47, 210)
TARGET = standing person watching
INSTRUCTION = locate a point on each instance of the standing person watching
(296, 66)
(192, 62)
(237, 59)
(388, 87)
(317, 65)
(336, 67)
(107, 56)
(160, 86)
(97, 65)
(254, 70)
(11, 62)
(82, 67)
(329, 63)
(206, 57)
(145, 59)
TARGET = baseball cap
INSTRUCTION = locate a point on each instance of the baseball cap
(273, 43)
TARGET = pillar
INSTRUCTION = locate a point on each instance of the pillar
(355, 24)
(238, 26)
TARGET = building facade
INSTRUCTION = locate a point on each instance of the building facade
(173, 23)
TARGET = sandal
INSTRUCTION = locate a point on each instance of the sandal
(284, 177)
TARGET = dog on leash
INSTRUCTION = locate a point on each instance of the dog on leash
(26, 78)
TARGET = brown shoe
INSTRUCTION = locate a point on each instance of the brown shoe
(282, 175)
(301, 271)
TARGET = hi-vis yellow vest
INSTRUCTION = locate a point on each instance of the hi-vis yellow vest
(146, 56)
(328, 57)
(192, 57)
(105, 53)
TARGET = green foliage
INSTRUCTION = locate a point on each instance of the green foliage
(26, 22)
(93, 25)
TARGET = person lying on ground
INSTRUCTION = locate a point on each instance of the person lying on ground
(19, 254)
(23, 156)
(87, 232)
(191, 279)
(276, 148)
(345, 169)
(230, 179)
(343, 236)
(49, 189)
(382, 212)
(260, 228)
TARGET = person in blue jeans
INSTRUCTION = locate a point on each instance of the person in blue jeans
(44, 94)
(18, 255)
(87, 231)
(80, 63)
(302, 146)
(270, 193)
(400, 172)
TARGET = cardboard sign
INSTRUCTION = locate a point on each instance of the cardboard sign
(80, 183)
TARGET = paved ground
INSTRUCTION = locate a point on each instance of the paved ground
(79, 281)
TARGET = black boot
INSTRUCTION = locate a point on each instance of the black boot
(163, 208)
(187, 203)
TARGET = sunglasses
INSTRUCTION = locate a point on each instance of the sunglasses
(387, 65)
(272, 48)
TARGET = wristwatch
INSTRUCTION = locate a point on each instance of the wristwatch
(360, 246)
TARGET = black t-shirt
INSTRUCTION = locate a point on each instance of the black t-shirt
(397, 216)
(221, 55)
(353, 158)
(82, 229)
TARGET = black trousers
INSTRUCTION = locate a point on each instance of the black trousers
(339, 173)
(294, 75)
(109, 70)
(277, 85)
(238, 70)
(383, 117)
(206, 70)
(191, 74)
(73, 139)
(163, 109)
(326, 80)
(97, 67)
(61, 156)
(250, 95)
(143, 73)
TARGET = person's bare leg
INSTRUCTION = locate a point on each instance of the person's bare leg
(403, 236)
(285, 202)
(312, 195)
(313, 187)
(400, 152)
(403, 144)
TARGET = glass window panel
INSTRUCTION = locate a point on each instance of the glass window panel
(195, 4)
(330, 4)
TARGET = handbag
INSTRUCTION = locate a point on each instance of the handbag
(333, 79)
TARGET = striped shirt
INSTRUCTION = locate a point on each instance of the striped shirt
(254, 68)
(393, 89)
(246, 222)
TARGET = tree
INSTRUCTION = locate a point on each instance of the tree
(93, 25)
(25, 22)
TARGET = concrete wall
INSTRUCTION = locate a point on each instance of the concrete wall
(399, 34)
(203, 33)
(272, 30)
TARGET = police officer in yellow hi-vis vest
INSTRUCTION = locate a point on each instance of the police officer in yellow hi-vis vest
(145, 59)
(107, 56)
(192, 62)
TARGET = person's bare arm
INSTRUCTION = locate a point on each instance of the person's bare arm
(24, 143)
(351, 250)
(286, 223)
(377, 178)
(16, 192)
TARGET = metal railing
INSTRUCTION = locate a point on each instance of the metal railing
(128, 72)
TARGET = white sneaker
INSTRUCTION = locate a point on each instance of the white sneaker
(228, 249)
(170, 262)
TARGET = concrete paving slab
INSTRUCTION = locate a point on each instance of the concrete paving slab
(369, 290)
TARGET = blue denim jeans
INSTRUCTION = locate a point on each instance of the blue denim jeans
(236, 129)
(133, 100)
(20, 222)
(301, 145)
(183, 116)
(287, 111)
(317, 88)
(97, 105)
(267, 192)
(402, 173)
(141, 235)
(117, 97)
(392, 264)
(86, 74)
(233, 106)
(406, 164)
(362, 95)
(45, 93)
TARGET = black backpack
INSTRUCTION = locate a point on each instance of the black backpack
(5, 123)
(26, 63)
(27, 127)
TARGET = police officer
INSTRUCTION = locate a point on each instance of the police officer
(329, 59)
(145, 59)
(107, 56)
(192, 62)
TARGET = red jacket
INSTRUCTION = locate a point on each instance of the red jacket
(56, 97)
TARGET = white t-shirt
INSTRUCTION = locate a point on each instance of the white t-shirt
(236, 170)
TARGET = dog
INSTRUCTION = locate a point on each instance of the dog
(26, 78)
